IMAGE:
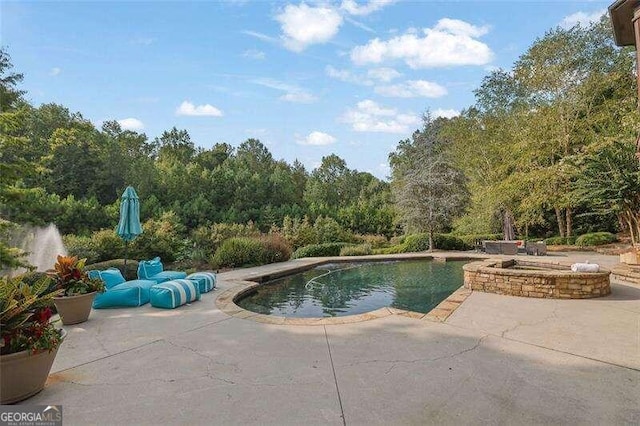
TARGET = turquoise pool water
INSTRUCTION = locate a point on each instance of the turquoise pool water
(355, 288)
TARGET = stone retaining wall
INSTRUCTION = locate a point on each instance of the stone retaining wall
(541, 280)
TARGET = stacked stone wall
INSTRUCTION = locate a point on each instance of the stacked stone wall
(503, 277)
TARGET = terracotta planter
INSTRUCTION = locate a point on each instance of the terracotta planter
(74, 309)
(23, 374)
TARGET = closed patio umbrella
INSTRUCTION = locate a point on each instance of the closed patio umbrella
(129, 226)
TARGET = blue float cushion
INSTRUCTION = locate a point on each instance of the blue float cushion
(128, 294)
(206, 280)
(168, 276)
(111, 277)
(149, 268)
(171, 294)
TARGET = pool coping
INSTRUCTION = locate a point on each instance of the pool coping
(226, 300)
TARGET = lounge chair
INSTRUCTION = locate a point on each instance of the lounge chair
(120, 293)
(536, 249)
(154, 270)
(500, 247)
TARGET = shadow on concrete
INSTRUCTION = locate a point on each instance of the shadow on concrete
(621, 292)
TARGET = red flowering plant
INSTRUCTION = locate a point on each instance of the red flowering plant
(70, 276)
(25, 311)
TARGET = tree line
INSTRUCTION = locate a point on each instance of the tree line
(67, 171)
(548, 145)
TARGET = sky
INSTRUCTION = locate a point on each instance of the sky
(308, 79)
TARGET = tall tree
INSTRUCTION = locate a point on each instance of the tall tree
(428, 189)
(9, 92)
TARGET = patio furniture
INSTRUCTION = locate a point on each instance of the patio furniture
(500, 247)
(118, 292)
(175, 293)
(536, 249)
(509, 247)
(206, 281)
(491, 247)
(154, 270)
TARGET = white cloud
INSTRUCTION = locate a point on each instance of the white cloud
(206, 110)
(360, 25)
(450, 42)
(354, 8)
(412, 89)
(582, 18)
(131, 124)
(368, 116)
(260, 36)
(275, 84)
(383, 74)
(55, 71)
(304, 25)
(462, 28)
(292, 93)
(317, 139)
(445, 113)
(298, 97)
(346, 76)
(258, 55)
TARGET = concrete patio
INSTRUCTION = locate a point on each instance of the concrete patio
(496, 359)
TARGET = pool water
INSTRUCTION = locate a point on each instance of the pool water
(355, 288)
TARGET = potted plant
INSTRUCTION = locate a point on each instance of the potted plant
(28, 340)
(78, 290)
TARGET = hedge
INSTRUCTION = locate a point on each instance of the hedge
(420, 242)
(243, 251)
(596, 239)
(398, 248)
(359, 250)
(320, 250)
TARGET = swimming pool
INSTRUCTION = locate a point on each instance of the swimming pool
(354, 288)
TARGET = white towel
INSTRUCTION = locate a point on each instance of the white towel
(585, 267)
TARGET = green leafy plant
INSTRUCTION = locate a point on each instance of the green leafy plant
(161, 237)
(398, 248)
(25, 311)
(275, 248)
(596, 239)
(236, 252)
(359, 250)
(319, 250)
(10, 257)
(375, 241)
(242, 251)
(72, 279)
(209, 238)
(449, 242)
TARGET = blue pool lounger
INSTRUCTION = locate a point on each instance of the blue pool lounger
(154, 270)
(206, 280)
(118, 292)
(171, 294)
